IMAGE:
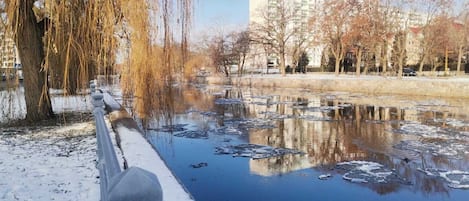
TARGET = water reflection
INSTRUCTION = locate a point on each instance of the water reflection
(336, 127)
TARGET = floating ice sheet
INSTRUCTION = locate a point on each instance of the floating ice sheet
(457, 123)
(228, 130)
(454, 178)
(254, 151)
(428, 131)
(228, 101)
(256, 124)
(448, 148)
(192, 134)
(369, 172)
(325, 176)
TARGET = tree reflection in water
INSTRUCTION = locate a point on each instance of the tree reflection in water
(334, 127)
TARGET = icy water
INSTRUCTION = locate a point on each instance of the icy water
(232, 144)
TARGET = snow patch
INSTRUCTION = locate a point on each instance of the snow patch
(368, 172)
(449, 148)
(455, 178)
(324, 176)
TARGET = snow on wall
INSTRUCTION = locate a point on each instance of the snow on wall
(139, 153)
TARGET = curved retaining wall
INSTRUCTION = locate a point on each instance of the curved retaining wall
(415, 86)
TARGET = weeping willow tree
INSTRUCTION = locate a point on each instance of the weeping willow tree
(152, 63)
(67, 42)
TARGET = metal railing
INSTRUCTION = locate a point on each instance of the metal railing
(116, 185)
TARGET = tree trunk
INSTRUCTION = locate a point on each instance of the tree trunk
(421, 66)
(460, 52)
(446, 62)
(337, 66)
(31, 51)
(385, 57)
(400, 62)
(359, 61)
(282, 63)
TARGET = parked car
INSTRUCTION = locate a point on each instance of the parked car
(409, 72)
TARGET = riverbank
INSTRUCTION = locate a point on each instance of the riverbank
(452, 87)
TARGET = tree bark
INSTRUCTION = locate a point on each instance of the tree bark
(359, 61)
(460, 53)
(401, 43)
(28, 37)
(337, 66)
(385, 57)
(282, 64)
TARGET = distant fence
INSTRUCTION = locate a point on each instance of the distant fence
(116, 185)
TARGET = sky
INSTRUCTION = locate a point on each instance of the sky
(215, 15)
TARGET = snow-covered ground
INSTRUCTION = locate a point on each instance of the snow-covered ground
(49, 163)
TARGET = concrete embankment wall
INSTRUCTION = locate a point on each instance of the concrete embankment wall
(415, 86)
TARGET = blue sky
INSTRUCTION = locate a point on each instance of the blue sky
(215, 13)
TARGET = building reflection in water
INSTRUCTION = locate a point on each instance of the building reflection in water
(331, 131)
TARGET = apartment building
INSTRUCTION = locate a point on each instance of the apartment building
(7, 51)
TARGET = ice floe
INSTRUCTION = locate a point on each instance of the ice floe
(325, 176)
(454, 178)
(254, 151)
(192, 134)
(253, 123)
(228, 101)
(428, 131)
(228, 130)
(457, 123)
(369, 172)
(449, 148)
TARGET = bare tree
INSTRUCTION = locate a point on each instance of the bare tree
(241, 48)
(276, 29)
(398, 54)
(335, 25)
(365, 30)
(431, 9)
(459, 35)
(220, 55)
(228, 50)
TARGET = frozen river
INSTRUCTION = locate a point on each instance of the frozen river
(246, 144)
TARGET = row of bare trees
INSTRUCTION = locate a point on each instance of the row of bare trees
(374, 32)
